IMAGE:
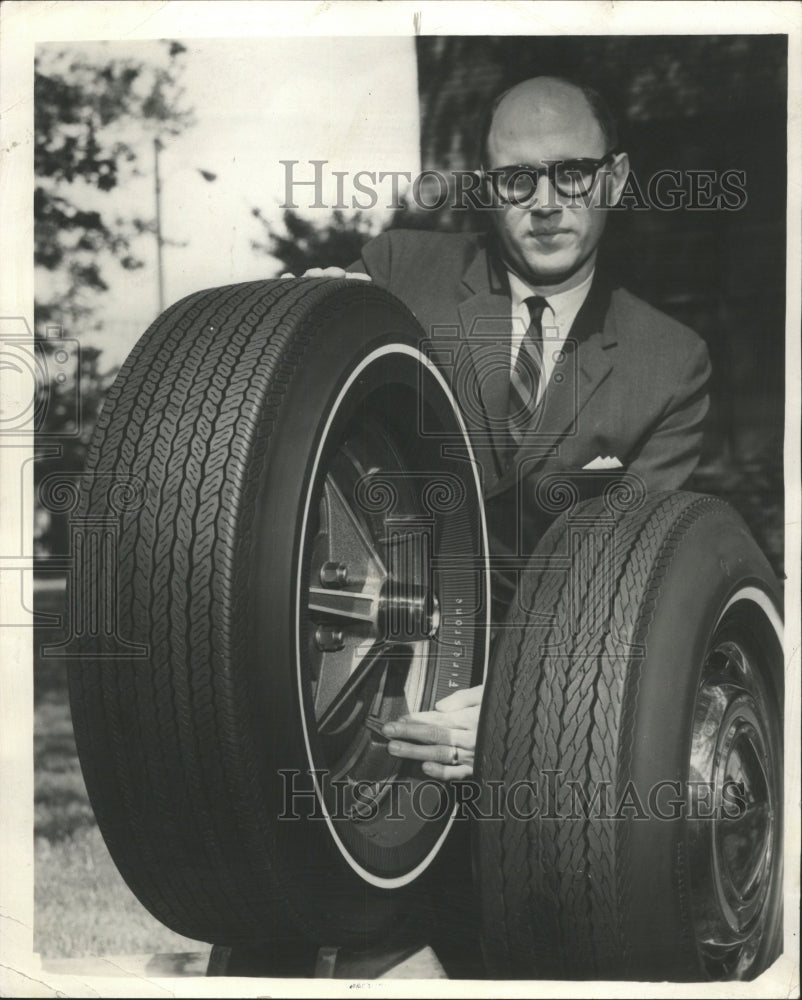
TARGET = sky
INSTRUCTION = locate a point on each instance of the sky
(349, 101)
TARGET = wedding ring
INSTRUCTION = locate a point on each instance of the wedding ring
(455, 758)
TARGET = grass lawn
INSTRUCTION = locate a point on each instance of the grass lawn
(82, 905)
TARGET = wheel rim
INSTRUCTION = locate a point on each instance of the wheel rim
(374, 615)
(734, 827)
(392, 607)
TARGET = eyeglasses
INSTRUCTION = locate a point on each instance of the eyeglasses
(516, 185)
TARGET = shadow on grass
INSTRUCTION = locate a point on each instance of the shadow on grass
(82, 906)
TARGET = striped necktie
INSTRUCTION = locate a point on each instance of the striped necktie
(526, 373)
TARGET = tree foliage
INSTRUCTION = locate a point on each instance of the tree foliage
(95, 120)
(299, 243)
(84, 144)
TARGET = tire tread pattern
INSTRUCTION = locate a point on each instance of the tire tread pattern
(562, 695)
(164, 743)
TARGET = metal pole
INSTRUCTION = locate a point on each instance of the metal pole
(159, 242)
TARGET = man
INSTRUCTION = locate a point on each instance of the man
(568, 373)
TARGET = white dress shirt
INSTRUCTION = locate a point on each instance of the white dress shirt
(558, 317)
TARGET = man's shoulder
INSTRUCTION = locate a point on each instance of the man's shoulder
(637, 320)
(418, 247)
(429, 239)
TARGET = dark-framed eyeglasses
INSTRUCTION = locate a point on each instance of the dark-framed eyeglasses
(516, 184)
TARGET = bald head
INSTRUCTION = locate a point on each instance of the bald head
(550, 237)
(548, 106)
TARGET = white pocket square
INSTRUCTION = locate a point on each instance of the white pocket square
(604, 462)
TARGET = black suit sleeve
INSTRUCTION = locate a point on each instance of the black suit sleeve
(375, 260)
(670, 453)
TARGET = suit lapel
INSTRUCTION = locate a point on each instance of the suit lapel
(589, 357)
(485, 312)
(588, 362)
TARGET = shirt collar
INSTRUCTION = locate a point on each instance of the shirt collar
(564, 305)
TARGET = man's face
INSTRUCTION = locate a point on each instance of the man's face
(551, 239)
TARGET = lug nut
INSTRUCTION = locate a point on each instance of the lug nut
(329, 640)
(334, 574)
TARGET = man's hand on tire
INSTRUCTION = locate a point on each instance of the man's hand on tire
(328, 272)
(444, 740)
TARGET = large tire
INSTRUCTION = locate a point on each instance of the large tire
(270, 429)
(641, 660)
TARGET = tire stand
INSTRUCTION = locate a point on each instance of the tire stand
(327, 962)
(451, 932)
(310, 962)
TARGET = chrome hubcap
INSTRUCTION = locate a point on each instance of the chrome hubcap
(734, 820)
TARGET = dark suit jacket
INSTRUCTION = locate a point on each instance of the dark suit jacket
(631, 382)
